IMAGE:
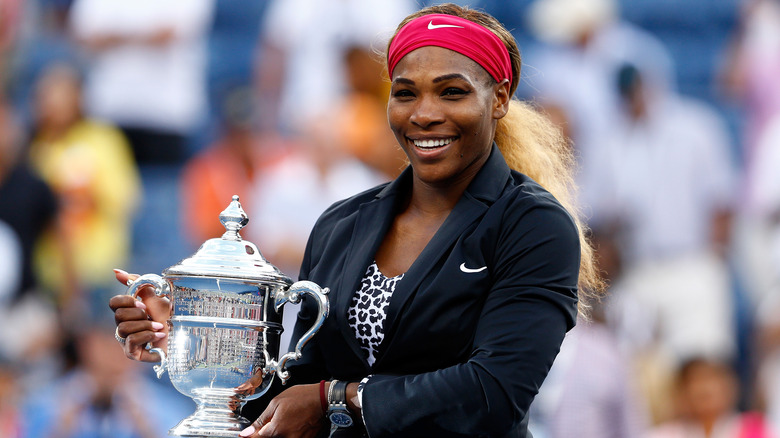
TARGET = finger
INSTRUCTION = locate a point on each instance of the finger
(135, 345)
(124, 277)
(127, 328)
(145, 337)
(123, 314)
(120, 301)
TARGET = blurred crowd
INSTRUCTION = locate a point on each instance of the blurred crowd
(126, 127)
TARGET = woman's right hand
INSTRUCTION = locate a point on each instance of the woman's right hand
(140, 321)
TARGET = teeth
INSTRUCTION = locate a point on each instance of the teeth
(432, 143)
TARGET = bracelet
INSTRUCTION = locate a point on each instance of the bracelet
(323, 399)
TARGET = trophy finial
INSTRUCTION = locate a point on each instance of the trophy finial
(233, 218)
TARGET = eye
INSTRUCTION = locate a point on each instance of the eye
(403, 94)
(454, 92)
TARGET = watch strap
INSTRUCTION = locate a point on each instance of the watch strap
(337, 393)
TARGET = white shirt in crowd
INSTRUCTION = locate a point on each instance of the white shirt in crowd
(157, 87)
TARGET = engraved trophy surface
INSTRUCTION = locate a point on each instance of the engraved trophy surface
(225, 327)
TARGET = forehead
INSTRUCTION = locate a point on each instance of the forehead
(431, 62)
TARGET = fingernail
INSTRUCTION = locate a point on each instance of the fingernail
(140, 304)
(119, 271)
(248, 431)
(157, 326)
(160, 335)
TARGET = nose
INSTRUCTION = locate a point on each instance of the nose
(427, 112)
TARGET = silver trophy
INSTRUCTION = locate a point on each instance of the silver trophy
(225, 327)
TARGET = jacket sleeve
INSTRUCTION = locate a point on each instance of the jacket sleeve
(530, 306)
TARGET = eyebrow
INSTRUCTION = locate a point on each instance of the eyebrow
(403, 81)
(438, 79)
(450, 76)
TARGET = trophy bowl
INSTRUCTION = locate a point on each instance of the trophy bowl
(225, 327)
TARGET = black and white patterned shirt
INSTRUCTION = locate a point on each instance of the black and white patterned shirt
(369, 308)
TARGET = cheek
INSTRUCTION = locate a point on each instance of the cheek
(395, 117)
(476, 124)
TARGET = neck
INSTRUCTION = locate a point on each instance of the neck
(439, 198)
(435, 200)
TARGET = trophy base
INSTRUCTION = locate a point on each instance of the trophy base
(190, 427)
(211, 427)
(213, 418)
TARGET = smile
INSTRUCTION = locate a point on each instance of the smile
(433, 143)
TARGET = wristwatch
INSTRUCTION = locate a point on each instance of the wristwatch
(338, 413)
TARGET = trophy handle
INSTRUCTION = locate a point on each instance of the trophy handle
(161, 288)
(293, 295)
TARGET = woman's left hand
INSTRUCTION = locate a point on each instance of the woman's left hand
(296, 412)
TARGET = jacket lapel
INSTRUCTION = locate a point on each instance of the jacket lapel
(371, 225)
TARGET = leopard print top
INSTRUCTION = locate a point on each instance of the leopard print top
(369, 308)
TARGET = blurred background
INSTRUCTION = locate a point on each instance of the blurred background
(126, 127)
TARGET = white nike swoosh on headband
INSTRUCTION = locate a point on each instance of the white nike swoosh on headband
(432, 26)
(471, 270)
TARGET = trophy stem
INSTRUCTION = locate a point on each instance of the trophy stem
(216, 416)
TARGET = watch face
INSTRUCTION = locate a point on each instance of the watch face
(341, 419)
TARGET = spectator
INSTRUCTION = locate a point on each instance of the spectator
(299, 35)
(90, 167)
(588, 37)
(147, 72)
(665, 184)
(227, 167)
(707, 396)
(27, 321)
(359, 123)
(27, 204)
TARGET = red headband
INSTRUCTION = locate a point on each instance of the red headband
(458, 34)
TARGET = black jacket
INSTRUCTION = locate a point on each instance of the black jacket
(465, 350)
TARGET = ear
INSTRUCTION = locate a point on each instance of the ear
(501, 99)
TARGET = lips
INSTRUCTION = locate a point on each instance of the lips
(432, 143)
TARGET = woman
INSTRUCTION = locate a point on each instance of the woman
(482, 263)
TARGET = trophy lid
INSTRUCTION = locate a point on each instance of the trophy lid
(230, 256)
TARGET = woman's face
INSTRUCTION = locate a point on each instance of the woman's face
(443, 110)
(58, 100)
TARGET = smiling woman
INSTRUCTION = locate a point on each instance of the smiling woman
(452, 286)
